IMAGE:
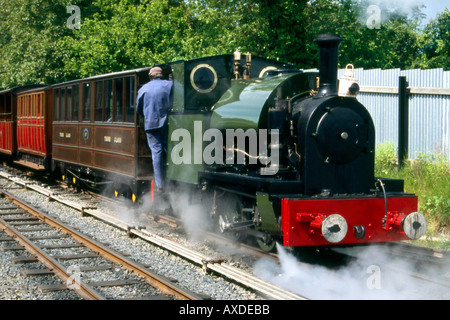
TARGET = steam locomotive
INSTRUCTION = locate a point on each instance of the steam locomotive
(271, 152)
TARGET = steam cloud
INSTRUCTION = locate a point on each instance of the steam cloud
(356, 280)
(193, 214)
(389, 8)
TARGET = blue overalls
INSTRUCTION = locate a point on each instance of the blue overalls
(153, 102)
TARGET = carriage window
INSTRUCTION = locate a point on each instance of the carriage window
(86, 102)
(29, 106)
(62, 105)
(130, 99)
(75, 103)
(20, 106)
(99, 101)
(23, 107)
(109, 100)
(8, 103)
(38, 104)
(34, 100)
(69, 103)
(55, 105)
(119, 100)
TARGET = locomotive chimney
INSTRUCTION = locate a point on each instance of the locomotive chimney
(328, 64)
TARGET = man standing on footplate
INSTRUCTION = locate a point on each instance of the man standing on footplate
(154, 100)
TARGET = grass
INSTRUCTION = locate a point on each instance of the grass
(428, 176)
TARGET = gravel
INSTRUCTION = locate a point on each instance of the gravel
(15, 286)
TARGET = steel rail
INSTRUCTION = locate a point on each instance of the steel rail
(265, 288)
(81, 288)
(268, 289)
(152, 279)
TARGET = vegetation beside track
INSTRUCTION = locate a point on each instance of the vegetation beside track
(428, 176)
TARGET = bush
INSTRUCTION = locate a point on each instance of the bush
(385, 160)
(439, 208)
(427, 176)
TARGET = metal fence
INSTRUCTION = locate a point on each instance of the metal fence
(429, 107)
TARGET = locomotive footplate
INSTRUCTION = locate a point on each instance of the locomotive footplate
(235, 180)
(334, 220)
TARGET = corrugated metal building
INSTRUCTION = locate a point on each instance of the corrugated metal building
(429, 109)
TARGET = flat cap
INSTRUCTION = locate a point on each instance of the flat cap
(155, 71)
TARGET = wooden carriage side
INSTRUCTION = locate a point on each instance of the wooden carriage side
(34, 130)
(8, 118)
(96, 130)
(8, 143)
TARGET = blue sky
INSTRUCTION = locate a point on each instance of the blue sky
(434, 7)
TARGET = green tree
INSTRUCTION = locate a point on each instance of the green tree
(123, 35)
(28, 32)
(435, 42)
(393, 45)
(38, 47)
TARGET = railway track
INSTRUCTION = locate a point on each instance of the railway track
(88, 206)
(209, 265)
(413, 255)
(18, 220)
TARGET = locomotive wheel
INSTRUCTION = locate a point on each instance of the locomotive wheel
(267, 246)
(229, 211)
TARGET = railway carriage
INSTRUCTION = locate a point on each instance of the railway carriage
(8, 145)
(34, 128)
(97, 137)
(8, 119)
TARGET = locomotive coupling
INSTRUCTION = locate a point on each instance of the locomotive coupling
(413, 225)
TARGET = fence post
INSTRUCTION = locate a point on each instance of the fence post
(403, 120)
